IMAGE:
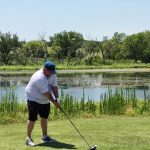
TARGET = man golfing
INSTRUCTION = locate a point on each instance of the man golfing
(39, 92)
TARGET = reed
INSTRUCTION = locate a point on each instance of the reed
(9, 102)
(115, 102)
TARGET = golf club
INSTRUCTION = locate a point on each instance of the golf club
(91, 147)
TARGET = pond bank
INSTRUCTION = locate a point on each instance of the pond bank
(30, 72)
(106, 70)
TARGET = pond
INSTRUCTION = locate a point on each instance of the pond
(93, 84)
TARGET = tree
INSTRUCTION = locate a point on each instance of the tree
(102, 49)
(146, 51)
(56, 53)
(18, 57)
(34, 50)
(42, 36)
(91, 50)
(68, 43)
(116, 50)
(135, 45)
(8, 44)
(80, 54)
(107, 47)
(112, 49)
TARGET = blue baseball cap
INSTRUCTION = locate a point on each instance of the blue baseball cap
(49, 65)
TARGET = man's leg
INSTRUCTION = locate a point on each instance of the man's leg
(32, 112)
(30, 126)
(29, 140)
(32, 116)
(44, 113)
(45, 138)
(44, 126)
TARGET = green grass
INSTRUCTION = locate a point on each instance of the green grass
(109, 133)
(72, 67)
(29, 70)
(101, 66)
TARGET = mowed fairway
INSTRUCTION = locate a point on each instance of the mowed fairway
(109, 133)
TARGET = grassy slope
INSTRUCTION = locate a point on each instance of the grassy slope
(115, 133)
(29, 70)
(72, 67)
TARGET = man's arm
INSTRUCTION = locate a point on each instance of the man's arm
(55, 91)
(50, 97)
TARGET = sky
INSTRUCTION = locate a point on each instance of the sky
(93, 18)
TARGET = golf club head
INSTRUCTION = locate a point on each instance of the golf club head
(93, 147)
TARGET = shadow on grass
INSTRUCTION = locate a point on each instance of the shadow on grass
(58, 145)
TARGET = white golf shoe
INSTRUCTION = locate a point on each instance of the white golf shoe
(30, 142)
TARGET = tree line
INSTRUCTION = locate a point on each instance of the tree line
(71, 48)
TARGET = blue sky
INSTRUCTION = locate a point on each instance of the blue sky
(93, 18)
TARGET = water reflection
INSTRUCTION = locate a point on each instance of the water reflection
(94, 84)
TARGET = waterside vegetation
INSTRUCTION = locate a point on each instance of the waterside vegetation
(118, 102)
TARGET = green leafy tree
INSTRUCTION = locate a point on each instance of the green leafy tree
(42, 36)
(80, 54)
(8, 44)
(135, 45)
(91, 50)
(34, 50)
(107, 49)
(117, 49)
(18, 57)
(55, 53)
(146, 51)
(102, 53)
(68, 43)
(102, 48)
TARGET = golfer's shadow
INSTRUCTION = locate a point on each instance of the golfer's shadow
(58, 145)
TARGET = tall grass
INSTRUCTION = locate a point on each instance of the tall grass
(118, 102)
(74, 107)
(9, 102)
(11, 110)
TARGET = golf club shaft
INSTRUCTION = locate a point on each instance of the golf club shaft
(74, 126)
